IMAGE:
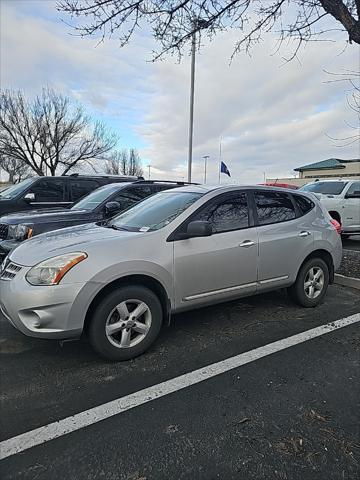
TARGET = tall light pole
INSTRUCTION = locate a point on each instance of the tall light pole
(149, 166)
(205, 157)
(191, 119)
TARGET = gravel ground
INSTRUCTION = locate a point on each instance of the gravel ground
(350, 265)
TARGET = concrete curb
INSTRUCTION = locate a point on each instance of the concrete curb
(347, 281)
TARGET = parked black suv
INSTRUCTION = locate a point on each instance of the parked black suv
(105, 202)
(50, 192)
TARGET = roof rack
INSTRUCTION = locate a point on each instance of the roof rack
(104, 175)
(171, 182)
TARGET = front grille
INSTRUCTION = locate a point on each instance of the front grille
(10, 271)
(3, 231)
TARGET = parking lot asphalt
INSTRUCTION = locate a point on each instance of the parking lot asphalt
(290, 415)
(352, 243)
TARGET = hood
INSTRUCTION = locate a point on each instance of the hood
(66, 240)
(45, 215)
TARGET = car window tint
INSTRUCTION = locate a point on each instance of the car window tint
(144, 191)
(304, 204)
(48, 190)
(273, 207)
(80, 188)
(354, 189)
(125, 200)
(231, 213)
(326, 188)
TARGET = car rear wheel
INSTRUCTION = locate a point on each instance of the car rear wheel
(125, 323)
(311, 283)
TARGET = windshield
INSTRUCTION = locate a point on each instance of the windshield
(17, 189)
(155, 212)
(91, 201)
(327, 188)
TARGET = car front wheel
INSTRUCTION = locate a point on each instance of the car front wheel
(311, 283)
(125, 323)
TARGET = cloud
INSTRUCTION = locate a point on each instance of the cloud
(272, 116)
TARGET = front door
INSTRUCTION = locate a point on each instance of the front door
(223, 265)
(350, 212)
(45, 193)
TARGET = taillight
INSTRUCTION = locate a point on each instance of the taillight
(336, 225)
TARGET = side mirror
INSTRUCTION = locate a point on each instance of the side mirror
(111, 208)
(198, 228)
(29, 197)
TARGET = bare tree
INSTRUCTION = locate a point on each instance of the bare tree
(15, 168)
(49, 134)
(173, 22)
(352, 79)
(124, 162)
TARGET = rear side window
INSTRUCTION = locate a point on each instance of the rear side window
(304, 204)
(228, 214)
(273, 207)
(80, 188)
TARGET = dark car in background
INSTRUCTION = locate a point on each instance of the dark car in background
(99, 205)
(52, 192)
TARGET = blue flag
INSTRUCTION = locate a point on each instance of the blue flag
(224, 169)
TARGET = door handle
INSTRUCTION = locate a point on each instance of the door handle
(247, 243)
(304, 234)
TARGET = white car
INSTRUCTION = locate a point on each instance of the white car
(342, 200)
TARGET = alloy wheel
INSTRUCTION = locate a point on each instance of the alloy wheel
(128, 323)
(314, 282)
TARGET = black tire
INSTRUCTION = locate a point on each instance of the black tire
(97, 327)
(297, 290)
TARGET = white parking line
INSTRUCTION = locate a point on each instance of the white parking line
(97, 414)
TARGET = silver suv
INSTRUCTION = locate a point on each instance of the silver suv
(119, 281)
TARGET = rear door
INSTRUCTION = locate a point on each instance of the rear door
(285, 237)
(223, 265)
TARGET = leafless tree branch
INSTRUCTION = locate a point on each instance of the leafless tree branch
(173, 22)
(49, 134)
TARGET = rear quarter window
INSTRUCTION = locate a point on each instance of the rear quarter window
(304, 204)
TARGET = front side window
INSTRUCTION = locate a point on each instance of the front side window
(326, 188)
(230, 213)
(155, 212)
(273, 207)
(48, 191)
(354, 189)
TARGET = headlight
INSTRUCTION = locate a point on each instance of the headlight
(19, 232)
(52, 270)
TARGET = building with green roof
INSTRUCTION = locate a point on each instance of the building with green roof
(325, 169)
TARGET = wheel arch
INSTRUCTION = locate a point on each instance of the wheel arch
(134, 279)
(326, 257)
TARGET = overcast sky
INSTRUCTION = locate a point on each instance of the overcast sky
(273, 116)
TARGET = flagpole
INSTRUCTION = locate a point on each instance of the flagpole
(220, 156)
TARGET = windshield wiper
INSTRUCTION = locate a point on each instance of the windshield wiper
(115, 227)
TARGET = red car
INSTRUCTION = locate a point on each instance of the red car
(283, 185)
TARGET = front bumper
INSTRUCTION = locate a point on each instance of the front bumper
(41, 311)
